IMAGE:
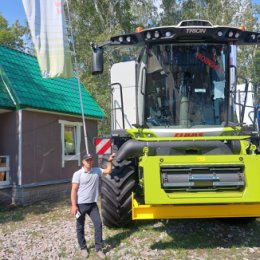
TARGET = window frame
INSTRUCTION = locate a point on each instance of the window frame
(5, 169)
(76, 156)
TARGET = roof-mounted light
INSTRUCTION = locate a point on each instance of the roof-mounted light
(237, 35)
(127, 39)
(168, 34)
(148, 35)
(253, 36)
(156, 34)
(220, 33)
(230, 34)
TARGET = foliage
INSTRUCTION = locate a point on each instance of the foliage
(227, 12)
(96, 21)
(12, 36)
(256, 71)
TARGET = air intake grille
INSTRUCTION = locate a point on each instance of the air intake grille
(205, 178)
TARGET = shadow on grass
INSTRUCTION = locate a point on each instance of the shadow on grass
(209, 234)
(194, 234)
(18, 213)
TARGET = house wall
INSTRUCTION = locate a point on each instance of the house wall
(9, 146)
(9, 140)
(42, 174)
(42, 147)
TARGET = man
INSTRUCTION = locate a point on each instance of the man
(84, 196)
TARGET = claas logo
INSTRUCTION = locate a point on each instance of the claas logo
(188, 134)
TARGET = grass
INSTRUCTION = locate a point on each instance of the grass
(43, 212)
(151, 239)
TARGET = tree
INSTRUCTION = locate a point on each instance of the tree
(12, 36)
(96, 21)
(256, 64)
(226, 12)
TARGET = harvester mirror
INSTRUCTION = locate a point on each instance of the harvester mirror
(97, 60)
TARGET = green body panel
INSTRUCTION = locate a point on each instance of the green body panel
(154, 194)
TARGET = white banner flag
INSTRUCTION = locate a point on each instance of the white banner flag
(49, 35)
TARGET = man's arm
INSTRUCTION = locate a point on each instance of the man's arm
(73, 197)
(108, 169)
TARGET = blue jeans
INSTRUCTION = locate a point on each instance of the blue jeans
(92, 210)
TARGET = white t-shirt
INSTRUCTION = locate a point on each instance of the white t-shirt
(88, 184)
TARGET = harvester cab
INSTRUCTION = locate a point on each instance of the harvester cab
(178, 126)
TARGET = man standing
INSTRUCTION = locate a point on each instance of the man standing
(84, 196)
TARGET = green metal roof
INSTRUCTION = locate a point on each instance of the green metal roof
(5, 99)
(20, 74)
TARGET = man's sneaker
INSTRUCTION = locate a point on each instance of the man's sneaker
(101, 255)
(84, 253)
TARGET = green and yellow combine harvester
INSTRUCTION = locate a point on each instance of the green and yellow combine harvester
(185, 132)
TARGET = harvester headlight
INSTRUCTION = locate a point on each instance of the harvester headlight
(121, 39)
(220, 33)
(128, 38)
(230, 34)
(156, 34)
(148, 35)
(253, 36)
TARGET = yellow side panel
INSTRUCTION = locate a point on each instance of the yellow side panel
(194, 211)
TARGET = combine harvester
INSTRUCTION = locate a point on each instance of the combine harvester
(178, 126)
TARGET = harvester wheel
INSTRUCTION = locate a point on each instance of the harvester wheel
(116, 192)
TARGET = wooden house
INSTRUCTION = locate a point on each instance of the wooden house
(41, 130)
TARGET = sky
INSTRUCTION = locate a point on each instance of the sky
(13, 10)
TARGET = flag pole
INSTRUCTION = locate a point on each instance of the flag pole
(78, 79)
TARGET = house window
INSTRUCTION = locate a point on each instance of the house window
(4, 170)
(70, 141)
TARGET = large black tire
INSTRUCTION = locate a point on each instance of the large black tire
(116, 191)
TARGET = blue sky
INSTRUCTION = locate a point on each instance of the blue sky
(13, 10)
